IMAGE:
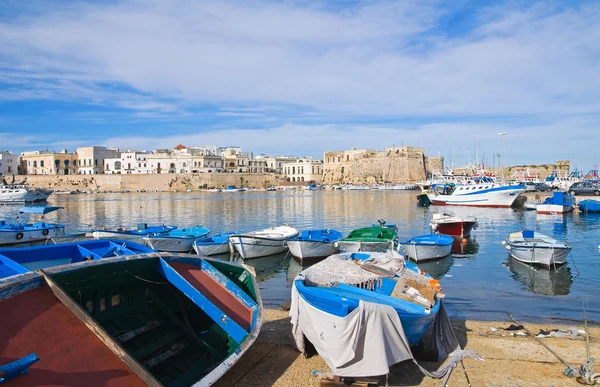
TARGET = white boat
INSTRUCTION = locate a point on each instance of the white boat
(428, 247)
(481, 193)
(558, 203)
(535, 248)
(21, 193)
(123, 233)
(214, 245)
(176, 241)
(17, 232)
(315, 244)
(562, 182)
(263, 242)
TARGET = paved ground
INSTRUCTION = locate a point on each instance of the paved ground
(510, 360)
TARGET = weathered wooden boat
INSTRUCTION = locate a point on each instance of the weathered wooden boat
(263, 242)
(215, 245)
(374, 238)
(448, 224)
(176, 241)
(535, 248)
(314, 244)
(428, 247)
(351, 298)
(558, 203)
(589, 205)
(123, 233)
(21, 260)
(13, 232)
(141, 320)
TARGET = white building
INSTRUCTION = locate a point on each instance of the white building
(129, 162)
(91, 159)
(305, 169)
(9, 163)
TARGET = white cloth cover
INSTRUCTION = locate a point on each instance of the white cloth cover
(342, 341)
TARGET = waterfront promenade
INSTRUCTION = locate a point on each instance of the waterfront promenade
(509, 360)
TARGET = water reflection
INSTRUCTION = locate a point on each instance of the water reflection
(464, 247)
(439, 268)
(541, 281)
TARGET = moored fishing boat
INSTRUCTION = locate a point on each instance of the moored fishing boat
(13, 232)
(363, 311)
(21, 260)
(589, 205)
(178, 240)
(374, 238)
(535, 248)
(314, 244)
(123, 233)
(448, 224)
(558, 203)
(428, 247)
(480, 193)
(21, 193)
(263, 242)
(217, 244)
(138, 320)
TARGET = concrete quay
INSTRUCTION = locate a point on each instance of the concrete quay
(511, 358)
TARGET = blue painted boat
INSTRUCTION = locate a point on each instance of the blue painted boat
(141, 320)
(347, 298)
(176, 241)
(589, 205)
(123, 233)
(217, 244)
(428, 247)
(315, 244)
(16, 232)
(21, 260)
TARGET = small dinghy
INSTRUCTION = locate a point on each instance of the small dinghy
(24, 259)
(141, 320)
(13, 232)
(428, 247)
(218, 244)
(315, 244)
(374, 238)
(176, 241)
(589, 205)
(448, 224)
(123, 233)
(263, 242)
(558, 203)
(535, 248)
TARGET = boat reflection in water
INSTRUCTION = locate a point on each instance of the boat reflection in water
(438, 268)
(464, 247)
(295, 268)
(541, 281)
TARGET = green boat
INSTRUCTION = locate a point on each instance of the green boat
(374, 239)
(423, 199)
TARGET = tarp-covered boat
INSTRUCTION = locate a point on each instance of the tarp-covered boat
(144, 320)
(13, 232)
(315, 243)
(24, 259)
(214, 245)
(374, 238)
(176, 241)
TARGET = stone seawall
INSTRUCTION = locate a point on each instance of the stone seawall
(167, 182)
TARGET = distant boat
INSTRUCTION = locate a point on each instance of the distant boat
(218, 244)
(589, 205)
(448, 224)
(315, 243)
(263, 242)
(130, 321)
(535, 248)
(24, 259)
(428, 247)
(558, 203)
(232, 188)
(137, 234)
(176, 241)
(13, 232)
(21, 193)
(374, 239)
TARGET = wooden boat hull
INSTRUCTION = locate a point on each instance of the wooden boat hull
(139, 320)
(252, 247)
(311, 249)
(459, 229)
(10, 236)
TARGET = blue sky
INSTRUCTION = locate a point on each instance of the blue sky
(300, 77)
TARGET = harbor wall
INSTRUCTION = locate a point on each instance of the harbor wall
(166, 182)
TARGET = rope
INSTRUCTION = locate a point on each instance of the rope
(573, 260)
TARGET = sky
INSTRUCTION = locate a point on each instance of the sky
(303, 77)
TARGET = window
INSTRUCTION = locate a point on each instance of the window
(41, 163)
(34, 164)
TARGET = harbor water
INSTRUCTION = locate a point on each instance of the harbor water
(480, 280)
